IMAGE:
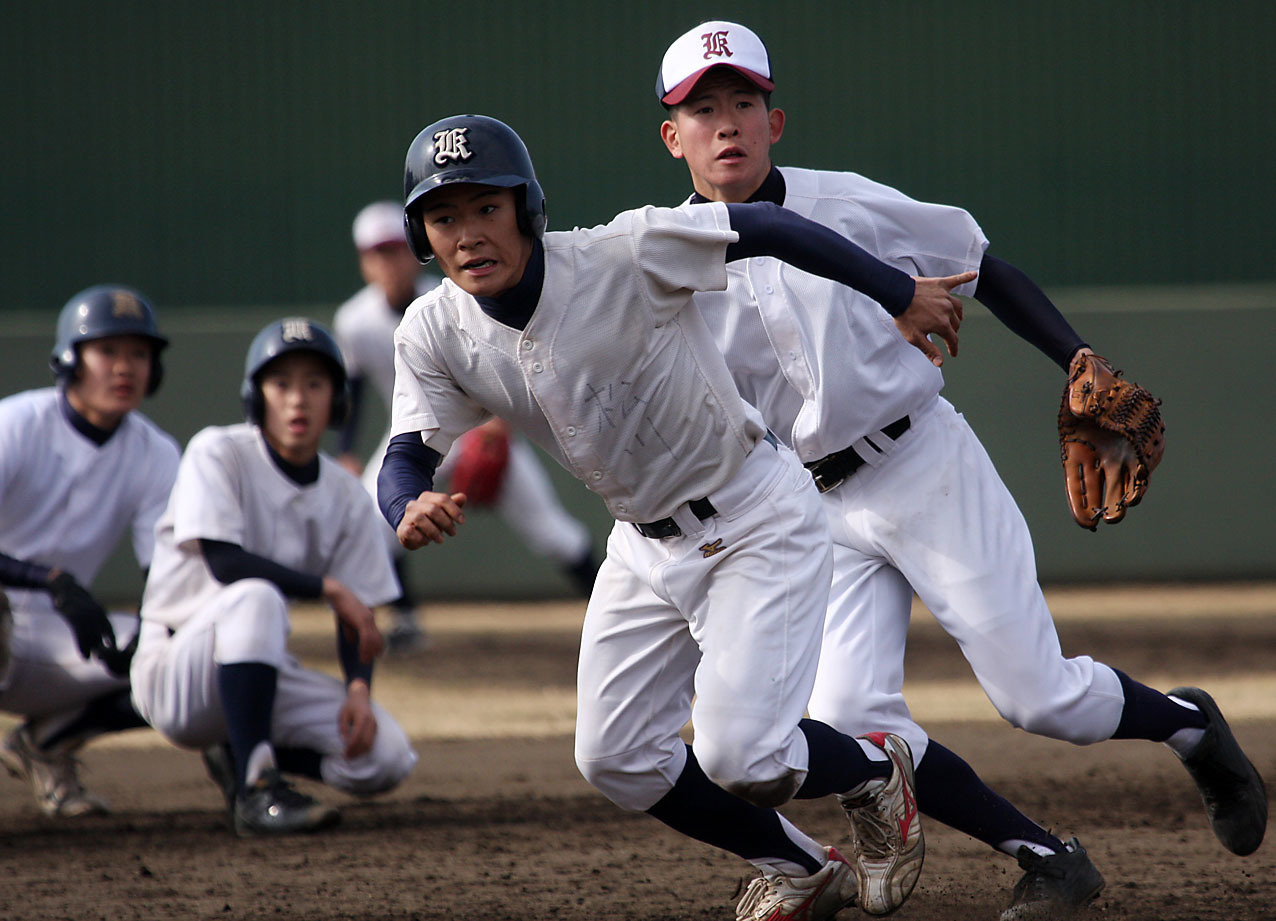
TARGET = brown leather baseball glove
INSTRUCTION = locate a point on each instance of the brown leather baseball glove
(1111, 438)
(484, 453)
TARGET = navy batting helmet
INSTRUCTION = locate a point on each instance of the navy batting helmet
(293, 334)
(469, 148)
(99, 312)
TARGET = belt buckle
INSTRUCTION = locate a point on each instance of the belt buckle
(825, 483)
(659, 530)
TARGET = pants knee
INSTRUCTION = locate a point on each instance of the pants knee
(635, 784)
(253, 624)
(734, 771)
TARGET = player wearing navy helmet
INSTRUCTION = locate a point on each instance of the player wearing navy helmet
(913, 500)
(79, 468)
(715, 580)
(259, 517)
(518, 489)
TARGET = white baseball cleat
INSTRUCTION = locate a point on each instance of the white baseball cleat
(886, 830)
(53, 775)
(818, 897)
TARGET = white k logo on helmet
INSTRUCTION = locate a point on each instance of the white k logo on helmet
(451, 144)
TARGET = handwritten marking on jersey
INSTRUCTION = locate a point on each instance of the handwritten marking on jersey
(712, 548)
(616, 403)
(297, 329)
(124, 304)
(715, 45)
(451, 144)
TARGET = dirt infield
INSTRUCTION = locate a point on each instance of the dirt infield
(496, 823)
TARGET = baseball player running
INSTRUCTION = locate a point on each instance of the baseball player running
(79, 468)
(258, 517)
(913, 500)
(716, 575)
(515, 484)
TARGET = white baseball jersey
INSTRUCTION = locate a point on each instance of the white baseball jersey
(229, 489)
(820, 399)
(828, 367)
(612, 377)
(364, 326)
(65, 501)
(617, 377)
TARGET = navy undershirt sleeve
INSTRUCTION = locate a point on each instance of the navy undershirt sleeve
(348, 654)
(406, 472)
(766, 229)
(231, 562)
(18, 574)
(1017, 301)
(350, 430)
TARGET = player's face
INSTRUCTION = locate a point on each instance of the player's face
(297, 390)
(473, 231)
(111, 379)
(393, 269)
(724, 131)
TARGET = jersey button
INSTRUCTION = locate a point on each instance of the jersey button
(537, 367)
(571, 431)
(597, 475)
(529, 344)
(769, 290)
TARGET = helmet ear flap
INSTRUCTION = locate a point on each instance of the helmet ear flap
(418, 242)
(340, 405)
(157, 373)
(254, 405)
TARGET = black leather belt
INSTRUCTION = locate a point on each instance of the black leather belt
(667, 527)
(829, 471)
(701, 508)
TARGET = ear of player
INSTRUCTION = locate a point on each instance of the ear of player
(293, 334)
(468, 148)
(97, 313)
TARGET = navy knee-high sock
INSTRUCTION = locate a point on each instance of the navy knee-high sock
(1149, 714)
(248, 698)
(836, 762)
(700, 809)
(949, 791)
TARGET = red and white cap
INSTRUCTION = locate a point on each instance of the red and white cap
(379, 223)
(708, 45)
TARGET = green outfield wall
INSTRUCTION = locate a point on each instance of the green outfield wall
(1200, 348)
(215, 153)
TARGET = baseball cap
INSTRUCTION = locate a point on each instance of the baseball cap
(708, 45)
(380, 222)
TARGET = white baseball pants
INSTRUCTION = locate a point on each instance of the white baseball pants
(933, 516)
(730, 612)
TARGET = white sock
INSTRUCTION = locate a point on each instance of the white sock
(1011, 846)
(1185, 741)
(785, 867)
(262, 759)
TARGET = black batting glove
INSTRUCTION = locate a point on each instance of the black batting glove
(87, 618)
(117, 661)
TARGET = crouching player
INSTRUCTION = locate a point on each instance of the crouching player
(257, 517)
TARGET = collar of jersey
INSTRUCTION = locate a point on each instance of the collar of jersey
(772, 190)
(99, 436)
(301, 474)
(514, 307)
